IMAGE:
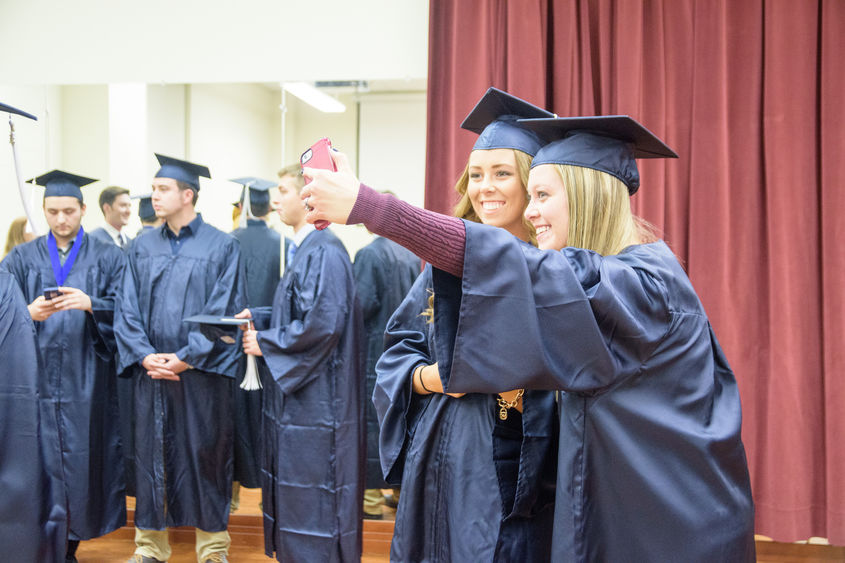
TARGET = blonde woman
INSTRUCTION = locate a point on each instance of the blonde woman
(651, 465)
(469, 479)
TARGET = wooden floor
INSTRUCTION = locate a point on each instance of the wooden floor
(247, 541)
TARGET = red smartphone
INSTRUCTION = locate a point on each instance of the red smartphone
(319, 156)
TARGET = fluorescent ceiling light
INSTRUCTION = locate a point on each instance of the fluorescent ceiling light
(314, 97)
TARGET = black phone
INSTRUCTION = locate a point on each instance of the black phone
(51, 292)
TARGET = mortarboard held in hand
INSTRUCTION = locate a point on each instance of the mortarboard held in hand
(495, 118)
(608, 143)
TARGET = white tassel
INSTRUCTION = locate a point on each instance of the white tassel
(251, 381)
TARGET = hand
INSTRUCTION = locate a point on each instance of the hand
(245, 314)
(330, 195)
(72, 298)
(173, 363)
(41, 308)
(156, 367)
(250, 343)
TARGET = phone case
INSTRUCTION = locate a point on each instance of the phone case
(318, 156)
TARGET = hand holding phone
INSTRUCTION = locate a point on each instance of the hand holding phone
(319, 156)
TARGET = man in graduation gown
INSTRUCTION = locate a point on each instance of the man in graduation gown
(384, 272)
(76, 341)
(261, 251)
(314, 398)
(117, 208)
(182, 381)
(33, 506)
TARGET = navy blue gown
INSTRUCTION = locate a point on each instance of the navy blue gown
(184, 430)
(651, 465)
(313, 468)
(261, 249)
(33, 504)
(456, 503)
(384, 272)
(78, 378)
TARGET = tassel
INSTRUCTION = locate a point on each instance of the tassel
(251, 381)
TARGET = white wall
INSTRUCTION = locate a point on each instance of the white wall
(173, 41)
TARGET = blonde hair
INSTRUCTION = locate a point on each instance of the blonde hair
(600, 217)
(16, 234)
(294, 171)
(464, 210)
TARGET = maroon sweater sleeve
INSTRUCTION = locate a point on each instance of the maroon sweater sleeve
(436, 238)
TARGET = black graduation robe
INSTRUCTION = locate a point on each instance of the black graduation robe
(261, 249)
(77, 351)
(33, 504)
(384, 272)
(651, 465)
(184, 430)
(313, 467)
(454, 506)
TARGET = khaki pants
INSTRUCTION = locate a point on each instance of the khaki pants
(154, 543)
(373, 501)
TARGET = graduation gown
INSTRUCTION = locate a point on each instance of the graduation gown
(261, 249)
(77, 351)
(384, 272)
(183, 429)
(102, 235)
(651, 466)
(314, 408)
(442, 450)
(33, 505)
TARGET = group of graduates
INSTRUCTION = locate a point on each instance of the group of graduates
(548, 388)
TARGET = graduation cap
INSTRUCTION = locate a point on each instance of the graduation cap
(495, 117)
(59, 183)
(608, 143)
(16, 111)
(181, 170)
(215, 327)
(259, 190)
(145, 206)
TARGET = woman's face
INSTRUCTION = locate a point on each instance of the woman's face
(496, 191)
(548, 208)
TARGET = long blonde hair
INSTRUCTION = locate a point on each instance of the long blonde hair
(600, 217)
(464, 210)
(16, 234)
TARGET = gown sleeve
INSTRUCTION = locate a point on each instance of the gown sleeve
(226, 298)
(365, 268)
(295, 352)
(100, 322)
(570, 319)
(406, 347)
(131, 337)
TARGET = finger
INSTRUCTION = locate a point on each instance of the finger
(245, 314)
(341, 161)
(314, 215)
(312, 173)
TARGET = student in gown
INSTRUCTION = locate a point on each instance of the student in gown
(261, 249)
(33, 506)
(384, 272)
(76, 342)
(146, 213)
(184, 418)
(116, 206)
(312, 342)
(477, 478)
(651, 465)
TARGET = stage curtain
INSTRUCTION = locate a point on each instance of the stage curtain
(750, 95)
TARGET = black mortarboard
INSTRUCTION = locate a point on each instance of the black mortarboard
(16, 111)
(59, 183)
(608, 143)
(145, 206)
(181, 170)
(215, 327)
(495, 117)
(259, 190)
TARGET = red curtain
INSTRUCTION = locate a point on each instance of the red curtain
(750, 95)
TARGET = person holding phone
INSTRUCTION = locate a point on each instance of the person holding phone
(651, 465)
(183, 382)
(311, 340)
(476, 470)
(71, 281)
